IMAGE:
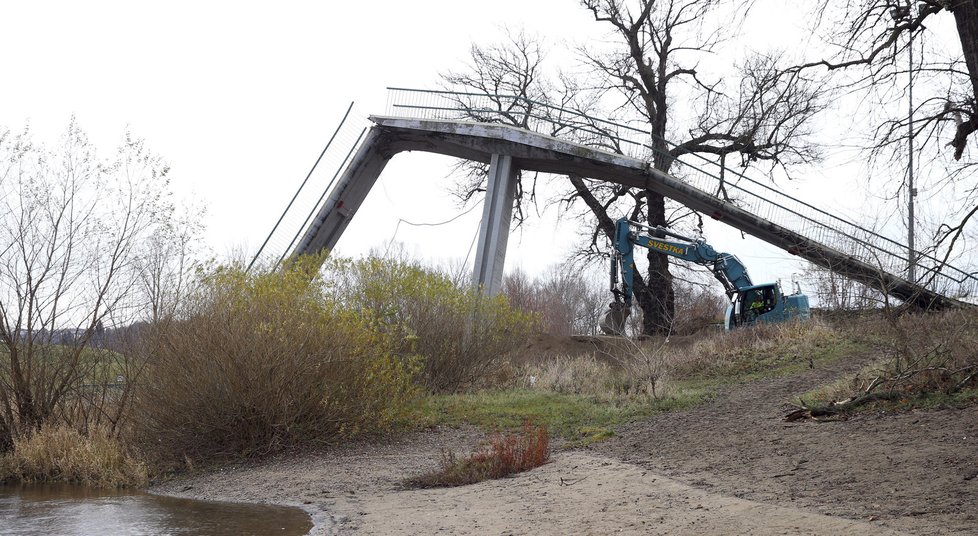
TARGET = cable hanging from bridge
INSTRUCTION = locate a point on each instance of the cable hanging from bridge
(319, 202)
(299, 190)
(424, 224)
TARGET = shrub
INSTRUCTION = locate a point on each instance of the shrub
(620, 382)
(262, 362)
(61, 454)
(921, 355)
(566, 301)
(928, 352)
(578, 375)
(505, 454)
(569, 301)
(461, 335)
(698, 307)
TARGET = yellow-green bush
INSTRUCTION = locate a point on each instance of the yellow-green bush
(61, 454)
(461, 335)
(265, 361)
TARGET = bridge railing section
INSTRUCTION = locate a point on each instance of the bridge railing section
(703, 173)
(314, 190)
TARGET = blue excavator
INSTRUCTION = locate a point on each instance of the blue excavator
(749, 303)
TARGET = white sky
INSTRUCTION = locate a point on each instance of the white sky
(240, 98)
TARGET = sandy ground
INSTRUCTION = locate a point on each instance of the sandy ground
(577, 493)
(582, 493)
(728, 467)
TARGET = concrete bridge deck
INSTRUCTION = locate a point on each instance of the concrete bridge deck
(508, 149)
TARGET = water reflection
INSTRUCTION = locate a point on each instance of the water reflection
(73, 510)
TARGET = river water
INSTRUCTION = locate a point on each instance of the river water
(74, 510)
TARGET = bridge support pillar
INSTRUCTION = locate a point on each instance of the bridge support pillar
(497, 212)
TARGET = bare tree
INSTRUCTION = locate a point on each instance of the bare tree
(871, 34)
(168, 262)
(71, 226)
(881, 50)
(513, 87)
(759, 113)
(566, 301)
(836, 292)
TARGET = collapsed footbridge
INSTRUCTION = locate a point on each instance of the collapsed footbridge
(548, 139)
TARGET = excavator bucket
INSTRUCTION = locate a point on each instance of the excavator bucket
(613, 322)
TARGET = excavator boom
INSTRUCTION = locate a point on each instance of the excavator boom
(725, 267)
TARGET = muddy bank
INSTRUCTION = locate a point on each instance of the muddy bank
(328, 484)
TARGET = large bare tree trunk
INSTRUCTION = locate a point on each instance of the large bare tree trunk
(966, 18)
(658, 301)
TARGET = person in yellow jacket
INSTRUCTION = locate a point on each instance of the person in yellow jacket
(756, 307)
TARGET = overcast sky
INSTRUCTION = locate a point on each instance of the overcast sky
(240, 98)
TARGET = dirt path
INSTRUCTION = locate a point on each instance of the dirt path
(915, 471)
(733, 467)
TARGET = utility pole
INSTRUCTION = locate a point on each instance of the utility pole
(901, 13)
(911, 253)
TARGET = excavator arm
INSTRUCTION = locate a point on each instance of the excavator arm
(727, 268)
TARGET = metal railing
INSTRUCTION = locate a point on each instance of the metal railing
(696, 170)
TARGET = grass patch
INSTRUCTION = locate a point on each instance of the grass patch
(961, 399)
(578, 419)
(766, 351)
(581, 400)
(91, 366)
(505, 454)
(845, 387)
(898, 402)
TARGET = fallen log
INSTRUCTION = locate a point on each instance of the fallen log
(837, 410)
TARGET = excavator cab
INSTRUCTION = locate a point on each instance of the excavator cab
(765, 304)
(753, 304)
